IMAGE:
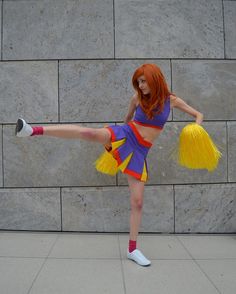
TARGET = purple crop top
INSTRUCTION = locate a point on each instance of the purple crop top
(158, 120)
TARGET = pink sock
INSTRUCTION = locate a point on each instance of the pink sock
(132, 245)
(37, 131)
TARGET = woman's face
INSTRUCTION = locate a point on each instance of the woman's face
(143, 86)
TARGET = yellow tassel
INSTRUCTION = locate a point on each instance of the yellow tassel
(106, 164)
(196, 149)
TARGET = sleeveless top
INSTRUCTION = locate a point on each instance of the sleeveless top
(158, 120)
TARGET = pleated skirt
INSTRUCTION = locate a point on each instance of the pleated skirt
(130, 150)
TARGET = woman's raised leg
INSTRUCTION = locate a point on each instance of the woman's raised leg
(67, 131)
(100, 135)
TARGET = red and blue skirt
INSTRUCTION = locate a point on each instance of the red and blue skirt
(127, 153)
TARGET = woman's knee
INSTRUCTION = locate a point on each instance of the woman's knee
(101, 135)
(137, 203)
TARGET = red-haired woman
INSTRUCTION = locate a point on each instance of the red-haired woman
(129, 143)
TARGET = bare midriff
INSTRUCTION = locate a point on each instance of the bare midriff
(148, 133)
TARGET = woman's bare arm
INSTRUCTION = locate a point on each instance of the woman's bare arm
(182, 105)
(132, 107)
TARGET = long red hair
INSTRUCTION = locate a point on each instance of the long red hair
(152, 103)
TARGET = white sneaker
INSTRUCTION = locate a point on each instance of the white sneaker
(22, 128)
(138, 257)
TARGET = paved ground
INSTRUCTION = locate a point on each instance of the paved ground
(68, 263)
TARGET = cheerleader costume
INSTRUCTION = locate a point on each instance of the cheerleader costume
(129, 150)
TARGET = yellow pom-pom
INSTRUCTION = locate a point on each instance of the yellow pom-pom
(196, 149)
(106, 164)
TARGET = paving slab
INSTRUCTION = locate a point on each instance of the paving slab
(210, 246)
(167, 277)
(86, 246)
(18, 274)
(60, 276)
(26, 244)
(222, 273)
(77, 263)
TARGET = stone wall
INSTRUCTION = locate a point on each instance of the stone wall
(71, 61)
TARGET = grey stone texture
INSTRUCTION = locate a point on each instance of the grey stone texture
(209, 86)
(230, 28)
(48, 162)
(232, 151)
(30, 209)
(24, 244)
(107, 209)
(1, 29)
(162, 164)
(82, 246)
(72, 61)
(95, 90)
(29, 89)
(1, 156)
(169, 29)
(17, 274)
(205, 208)
(106, 276)
(58, 29)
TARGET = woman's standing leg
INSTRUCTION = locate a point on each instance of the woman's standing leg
(136, 202)
(136, 188)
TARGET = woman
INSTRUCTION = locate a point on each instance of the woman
(129, 143)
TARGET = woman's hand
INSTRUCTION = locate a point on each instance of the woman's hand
(199, 118)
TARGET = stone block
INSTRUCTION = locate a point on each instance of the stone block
(1, 30)
(163, 169)
(169, 29)
(231, 151)
(30, 90)
(43, 161)
(1, 167)
(208, 86)
(106, 209)
(230, 31)
(205, 208)
(30, 209)
(58, 29)
(95, 90)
